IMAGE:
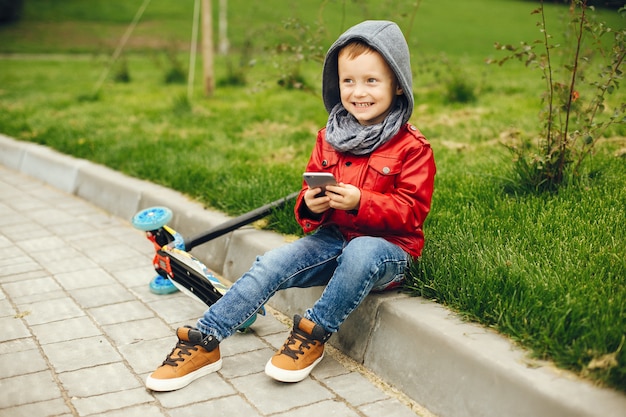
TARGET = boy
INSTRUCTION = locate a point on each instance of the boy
(362, 233)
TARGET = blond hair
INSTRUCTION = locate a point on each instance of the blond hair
(356, 48)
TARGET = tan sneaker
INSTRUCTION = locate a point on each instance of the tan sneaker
(194, 355)
(301, 352)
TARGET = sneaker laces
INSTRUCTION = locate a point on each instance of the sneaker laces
(184, 349)
(295, 337)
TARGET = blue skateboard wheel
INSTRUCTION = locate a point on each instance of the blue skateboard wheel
(152, 218)
(247, 324)
(160, 285)
(244, 327)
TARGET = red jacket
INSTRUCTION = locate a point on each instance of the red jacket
(396, 183)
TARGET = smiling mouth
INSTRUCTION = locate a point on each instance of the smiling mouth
(362, 104)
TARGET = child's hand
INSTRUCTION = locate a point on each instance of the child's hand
(343, 196)
(340, 197)
(316, 204)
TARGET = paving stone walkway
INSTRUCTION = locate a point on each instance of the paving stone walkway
(81, 330)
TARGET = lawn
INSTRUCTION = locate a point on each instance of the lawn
(548, 270)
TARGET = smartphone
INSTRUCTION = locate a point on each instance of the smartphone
(319, 180)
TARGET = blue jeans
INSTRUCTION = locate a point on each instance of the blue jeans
(348, 269)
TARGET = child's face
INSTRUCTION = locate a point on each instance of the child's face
(367, 86)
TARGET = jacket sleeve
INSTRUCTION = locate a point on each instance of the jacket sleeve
(308, 220)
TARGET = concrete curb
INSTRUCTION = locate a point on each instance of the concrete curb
(451, 367)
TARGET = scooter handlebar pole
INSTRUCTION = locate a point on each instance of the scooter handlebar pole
(237, 222)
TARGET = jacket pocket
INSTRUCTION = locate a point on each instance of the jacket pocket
(381, 173)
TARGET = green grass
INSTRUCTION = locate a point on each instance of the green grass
(546, 270)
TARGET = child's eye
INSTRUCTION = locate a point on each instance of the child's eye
(372, 80)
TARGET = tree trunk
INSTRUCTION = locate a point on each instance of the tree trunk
(223, 28)
(207, 47)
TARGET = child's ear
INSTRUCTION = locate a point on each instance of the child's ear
(399, 91)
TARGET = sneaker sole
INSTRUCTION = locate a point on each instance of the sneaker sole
(285, 375)
(177, 383)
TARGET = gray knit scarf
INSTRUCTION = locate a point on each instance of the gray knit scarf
(345, 134)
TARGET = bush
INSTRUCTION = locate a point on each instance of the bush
(576, 112)
(459, 90)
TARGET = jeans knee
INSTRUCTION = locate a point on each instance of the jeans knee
(374, 250)
(375, 258)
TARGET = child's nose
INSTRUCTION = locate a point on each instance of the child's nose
(359, 90)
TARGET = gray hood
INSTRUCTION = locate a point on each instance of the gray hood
(385, 37)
